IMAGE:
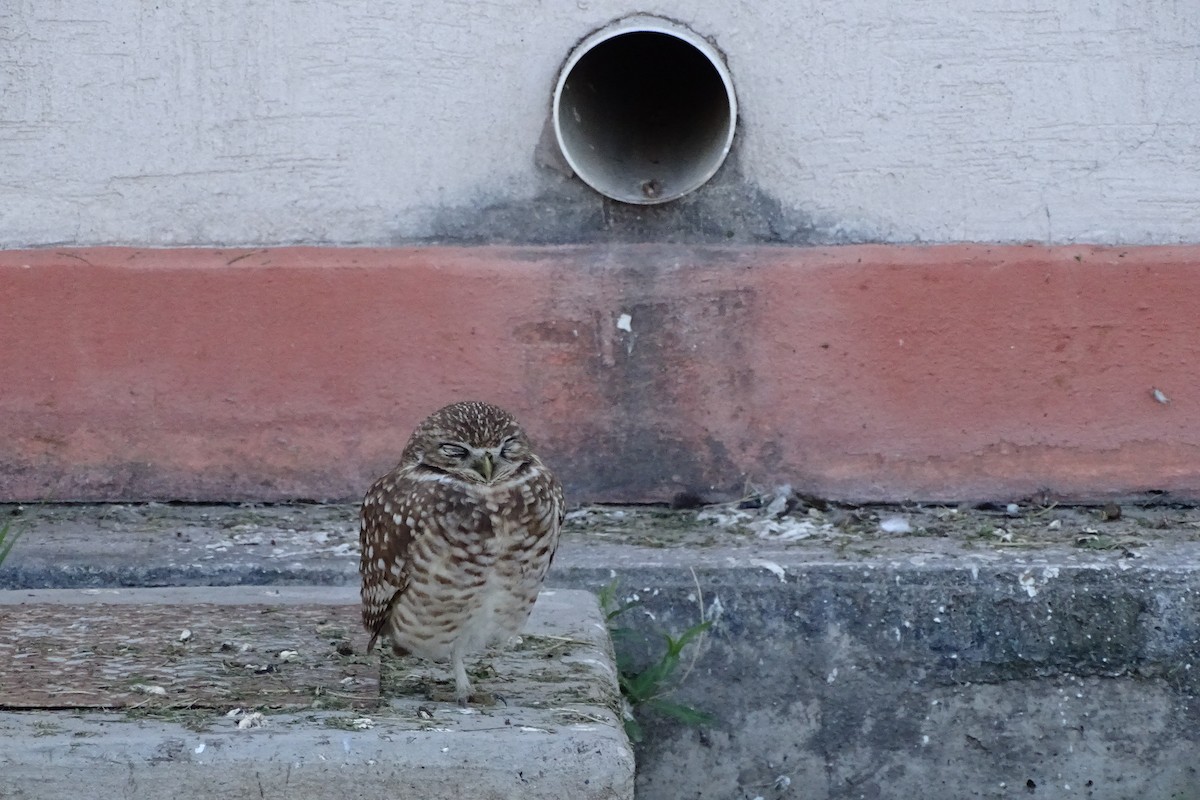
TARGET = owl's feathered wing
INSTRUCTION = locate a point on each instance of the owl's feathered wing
(388, 527)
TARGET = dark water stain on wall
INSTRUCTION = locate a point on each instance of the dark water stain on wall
(729, 209)
(663, 359)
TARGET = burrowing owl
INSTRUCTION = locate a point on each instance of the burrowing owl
(457, 539)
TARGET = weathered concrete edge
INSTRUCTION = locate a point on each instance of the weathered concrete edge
(860, 372)
(1157, 592)
(49, 754)
(234, 595)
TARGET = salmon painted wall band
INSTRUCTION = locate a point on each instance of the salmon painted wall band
(860, 372)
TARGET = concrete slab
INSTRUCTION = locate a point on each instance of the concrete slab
(155, 649)
(312, 720)
(982, 653)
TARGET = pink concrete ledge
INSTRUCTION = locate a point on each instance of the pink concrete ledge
(864, 372)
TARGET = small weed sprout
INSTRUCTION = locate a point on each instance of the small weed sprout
(8, 537)
(648, 687)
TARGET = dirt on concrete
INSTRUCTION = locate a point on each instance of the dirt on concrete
(167, 544)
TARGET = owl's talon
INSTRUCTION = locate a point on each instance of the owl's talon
(472, 699)
(485, 699)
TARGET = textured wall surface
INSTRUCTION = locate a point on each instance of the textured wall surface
(268, 122)
(888, 372)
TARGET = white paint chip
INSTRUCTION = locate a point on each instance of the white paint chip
(771, 567)
(1032, 582)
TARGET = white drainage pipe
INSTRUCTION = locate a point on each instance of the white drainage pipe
(644, 110)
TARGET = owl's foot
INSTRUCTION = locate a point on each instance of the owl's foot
(485, 699)
(474, 698)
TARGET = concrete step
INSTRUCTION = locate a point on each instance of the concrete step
(264, 692)
(1041, 652)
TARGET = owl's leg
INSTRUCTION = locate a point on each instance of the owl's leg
(462, 684)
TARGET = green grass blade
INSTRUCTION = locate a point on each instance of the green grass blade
(8, 538)
(642, 685)
(685, 714)
(634, 731)
(675, 646)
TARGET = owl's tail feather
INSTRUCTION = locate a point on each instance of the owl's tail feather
(397, 649)
(382, 627)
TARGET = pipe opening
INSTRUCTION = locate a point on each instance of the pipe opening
(644, 112)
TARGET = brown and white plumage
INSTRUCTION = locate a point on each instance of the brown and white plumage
(457, 539)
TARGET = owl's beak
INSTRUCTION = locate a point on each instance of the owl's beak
(484, 466)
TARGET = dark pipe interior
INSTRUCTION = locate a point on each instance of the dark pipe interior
(645, 116)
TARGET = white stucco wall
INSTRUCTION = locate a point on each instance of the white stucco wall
(273, 121)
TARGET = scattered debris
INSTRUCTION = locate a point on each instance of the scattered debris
(146, 688)
(255, 719)
(781, 503)
(769, 515)
(1158, 395)
(714, 611)
(895, 525)
(1032, 582)
(185, 635)
(785, 530)
(771, 567)
(1090, 540)
(1110, 512)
